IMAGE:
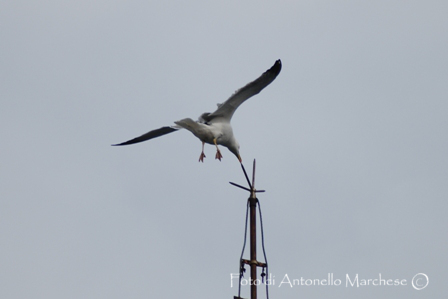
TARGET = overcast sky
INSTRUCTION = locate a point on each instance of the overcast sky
(350, 142)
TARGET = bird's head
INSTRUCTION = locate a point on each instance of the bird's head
(235, 149)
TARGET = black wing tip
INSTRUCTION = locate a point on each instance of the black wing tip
(277, 67)
(123, 143)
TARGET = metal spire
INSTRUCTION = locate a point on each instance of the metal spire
(253, 263)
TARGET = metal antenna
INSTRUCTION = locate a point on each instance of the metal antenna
(253, 263)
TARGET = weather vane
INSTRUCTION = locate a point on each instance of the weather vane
(252, 203)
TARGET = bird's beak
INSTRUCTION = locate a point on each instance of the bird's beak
(239, 158)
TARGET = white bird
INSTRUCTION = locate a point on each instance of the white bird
(214, 128)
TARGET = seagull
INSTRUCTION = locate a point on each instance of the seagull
(215, 128)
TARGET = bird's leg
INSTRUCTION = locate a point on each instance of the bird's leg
(218, 152)
(202, 156)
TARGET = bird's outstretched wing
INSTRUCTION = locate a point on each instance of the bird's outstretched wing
(151, 134)
(226, 109)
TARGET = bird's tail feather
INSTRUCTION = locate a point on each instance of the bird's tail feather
(188, 123)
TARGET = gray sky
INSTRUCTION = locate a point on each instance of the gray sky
(350, 141)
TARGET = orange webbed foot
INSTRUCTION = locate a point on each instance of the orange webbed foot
(201, 157)
(218, 155)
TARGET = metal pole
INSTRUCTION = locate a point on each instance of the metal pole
(253, 246)
(253, 202)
